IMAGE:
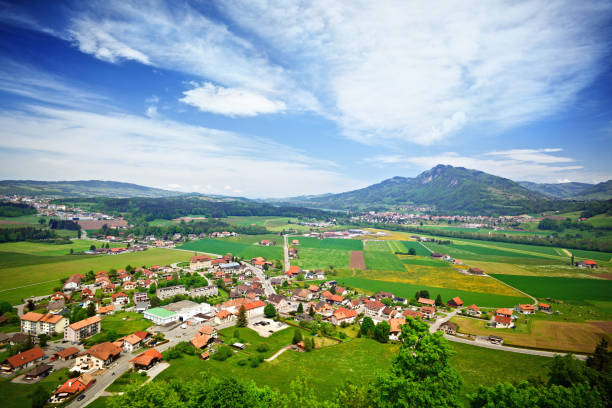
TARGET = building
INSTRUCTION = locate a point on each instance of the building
(449, 328)
(39, 372)
(395, 327)
(165, 293)
(473, 310)
(504, 312)
(37, 323)
(146, 359)
(72, 387)
(204, 291)
(208, 330)
(543, 307)
(199, 262)
(502, 322)
(67, 353)
(106, 310)
(455, 302)
(342, 315)
(23, 360)
(121, 298)
(141, 297)
(586, 264)
(429, 312)
(302, 295)
(73, 282)
(374, 308)
(129, 343)
(82, 329)
(201, 340)
(525, 309)
(161, 316)
(427, 302)
(255, 308)
(186, 309)
(279, 302)
(98, 356)
(224, 316)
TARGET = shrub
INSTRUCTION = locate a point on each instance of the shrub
(263, 347)
(223, 353)
(242, 362)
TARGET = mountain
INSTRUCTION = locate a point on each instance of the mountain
(558, 190)
(447, 188)
(600, 191)
(81, 188)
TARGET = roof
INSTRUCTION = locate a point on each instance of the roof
(313, 288)
(505, 320)
(200, 340)
(336, 298)
(450, 325)
(589, 262)
(181, 304)
(74, 385)
(85, 322)
(205, 329)
(32, 317)
(52, 318)
(375, 305)
(104, 351)
(294, 269)
(255, 304)
(412, 313)
(41, 369)
(200, 258)
(67, 352)
(160, 312)
(396, 324)
(276, 298)
(527, 307)
(106, 309)
(118, 295)
(142, 334)
(473, 307)
(26, 357)
(427, 309)
(223, 314)
(132, 339)
(342, 313)
(504, 311)
(426, 301)
(545, 305)
(145, 358)
(457, 300)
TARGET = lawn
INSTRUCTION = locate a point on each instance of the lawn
(271, 223)
(128, 378)
(40, 279)
(313, 258)
(477, 251)
(18, 395)
(560, 288)
(420, 249)
(542, 334)
(47, 249)
(251, 339)
(408, 290)
(329, 243)
(246, 251)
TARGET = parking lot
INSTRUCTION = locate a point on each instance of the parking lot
(266, 327)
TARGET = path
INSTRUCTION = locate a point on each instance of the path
(436, 325)
(423, 245)
(278, 353)
(286, 252)
(568, 253)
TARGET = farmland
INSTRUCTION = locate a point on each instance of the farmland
(561, 288)
(271, 223)
(246, 251)
(330, 243)
(311, 258)
(542, 334)
(22, 276)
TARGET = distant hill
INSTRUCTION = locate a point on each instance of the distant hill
(81, 188)
(558, 190)
(600, 191)
(447, 188)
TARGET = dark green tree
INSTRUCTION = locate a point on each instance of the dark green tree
(270, 311)
(297, 336)
(381, 332)
(300, 308)
(39, 397)
(242, 317)
(91, 309)
(439, 301)
(367, 326)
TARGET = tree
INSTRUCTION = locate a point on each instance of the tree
(307, 345)
(42, 339)
(381, 332)
(411, 251)
(242, 317)
(270, 311)
(39, 396)
(91, 309)
(92, 247)
(71, 251)
(30, 305)
(367, 326)
(601, 358)
(77, 314)
(5, 307)
(439, 301)
(155, 301)
(297, 336)
(311, 311)
(300, 308)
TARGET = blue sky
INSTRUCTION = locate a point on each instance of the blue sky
(275, 99)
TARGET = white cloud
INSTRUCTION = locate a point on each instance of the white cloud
(59, 144)
(230, 101)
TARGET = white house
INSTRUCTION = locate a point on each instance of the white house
(186, 309)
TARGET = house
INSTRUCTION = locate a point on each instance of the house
(502, 322)
(302, 295)
(449, 328)
(73, 282)
(23, 360)
(255, 308)
(129, 285)
(543, 307)
(473, 310)
(279, 302)
(22, 339)
(105, 310)
(395, 325)
(378, 295)
(374, 308)
(293, 270)
(338, 290)
(168, 292)
(37, 323)
(82, 329)
(436, 255)
(161, 316)
(342, 315)
(71, 387)
(108, 288)
(336, 299)
(130, 342)
(56, 306)
(140, 297)
(186, 309)
(120, 298)
(98, 356)
(586, 264)
(412, 313)
(146, 359)
(427, 302)
(476, 271)
(429, 312)
(455, 302)
(39, 372)
(313, 288)
(224, 316)
(525, 309)
(295, 242)
(504, 312)
(204, 291)
(266, 242)
(199, 262)
(201, 340)
(67, 353)
(208, 330)
(86, 294)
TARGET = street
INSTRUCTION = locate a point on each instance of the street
(267, 286)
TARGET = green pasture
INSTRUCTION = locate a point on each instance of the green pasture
(423, 261)
(408, 290)
(594, 255)
(312, 258)
(385, 261)
(222, 246)
(420, 249)
(14, 395)
(560, 288)
(329, 243)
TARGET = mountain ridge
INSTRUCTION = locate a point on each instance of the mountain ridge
(82, 188)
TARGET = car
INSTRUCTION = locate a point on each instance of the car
(81, 397)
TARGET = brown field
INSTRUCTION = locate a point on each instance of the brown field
(9, 222)
(545, 334)
(97, 224)
(357, 260)
(607, 276)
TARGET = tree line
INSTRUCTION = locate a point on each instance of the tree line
(9, 209)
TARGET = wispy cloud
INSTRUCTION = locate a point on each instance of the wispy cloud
(230, 101)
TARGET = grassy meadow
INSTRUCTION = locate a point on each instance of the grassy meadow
(561, 288)
(311, 258)
(222, 246)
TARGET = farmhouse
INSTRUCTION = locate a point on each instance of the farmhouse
(428, 311)
(302, 295)
(586, 264)
(502, 322)
(161, 316)
(23, 360)
(505, 312)
(543, 307)
(343, 315)
(455, 302)
(525, 309)
(449, 328)
(67, 353)
(396, 327)
(71, 387)
(106, 310)
(82, 329)
(73, 282)
(473, 310)
(427, 302)
(279, 302)
(199, 262)
(224, 316)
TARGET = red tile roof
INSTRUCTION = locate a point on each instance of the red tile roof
(32, 317)
(26, 357)
(426, 301)
(145, 358)
(103, 351)
(67, 352)
(504, 311)
(503, 320)
(85, 322)
(342, 313)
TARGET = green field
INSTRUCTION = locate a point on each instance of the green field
(385, 261)
(377, 246)
(122, 323)
(560, 288)
(311, 258)
(18, 395)
(329, 243)
(271, 223)
(407, 290)
(420, 249)
(598, 256)
(246, 251)
(31, 278)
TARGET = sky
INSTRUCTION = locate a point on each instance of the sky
(268, 99)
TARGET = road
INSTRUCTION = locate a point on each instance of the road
(436, 325)
(286, 251)
(267, 286)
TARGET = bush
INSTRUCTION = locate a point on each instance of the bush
(263, 347)
(223, 353)
(243, 362)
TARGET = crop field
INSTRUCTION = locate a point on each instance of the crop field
(561, 288)
(254, 239)
(357, 260)
(542, 334)
(386, 261)
(377, 246)
(221, 247)
(329, 243)
(408, 290)
(397, 246)
(17, 282)
(312, 258)
(596, 256)
(420, 249)
(423, 261)
(271, 223)
(561, 271)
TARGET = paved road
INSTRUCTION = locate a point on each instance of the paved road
(286, 251)
(268, 288)
(436, 325)
(486, 344)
